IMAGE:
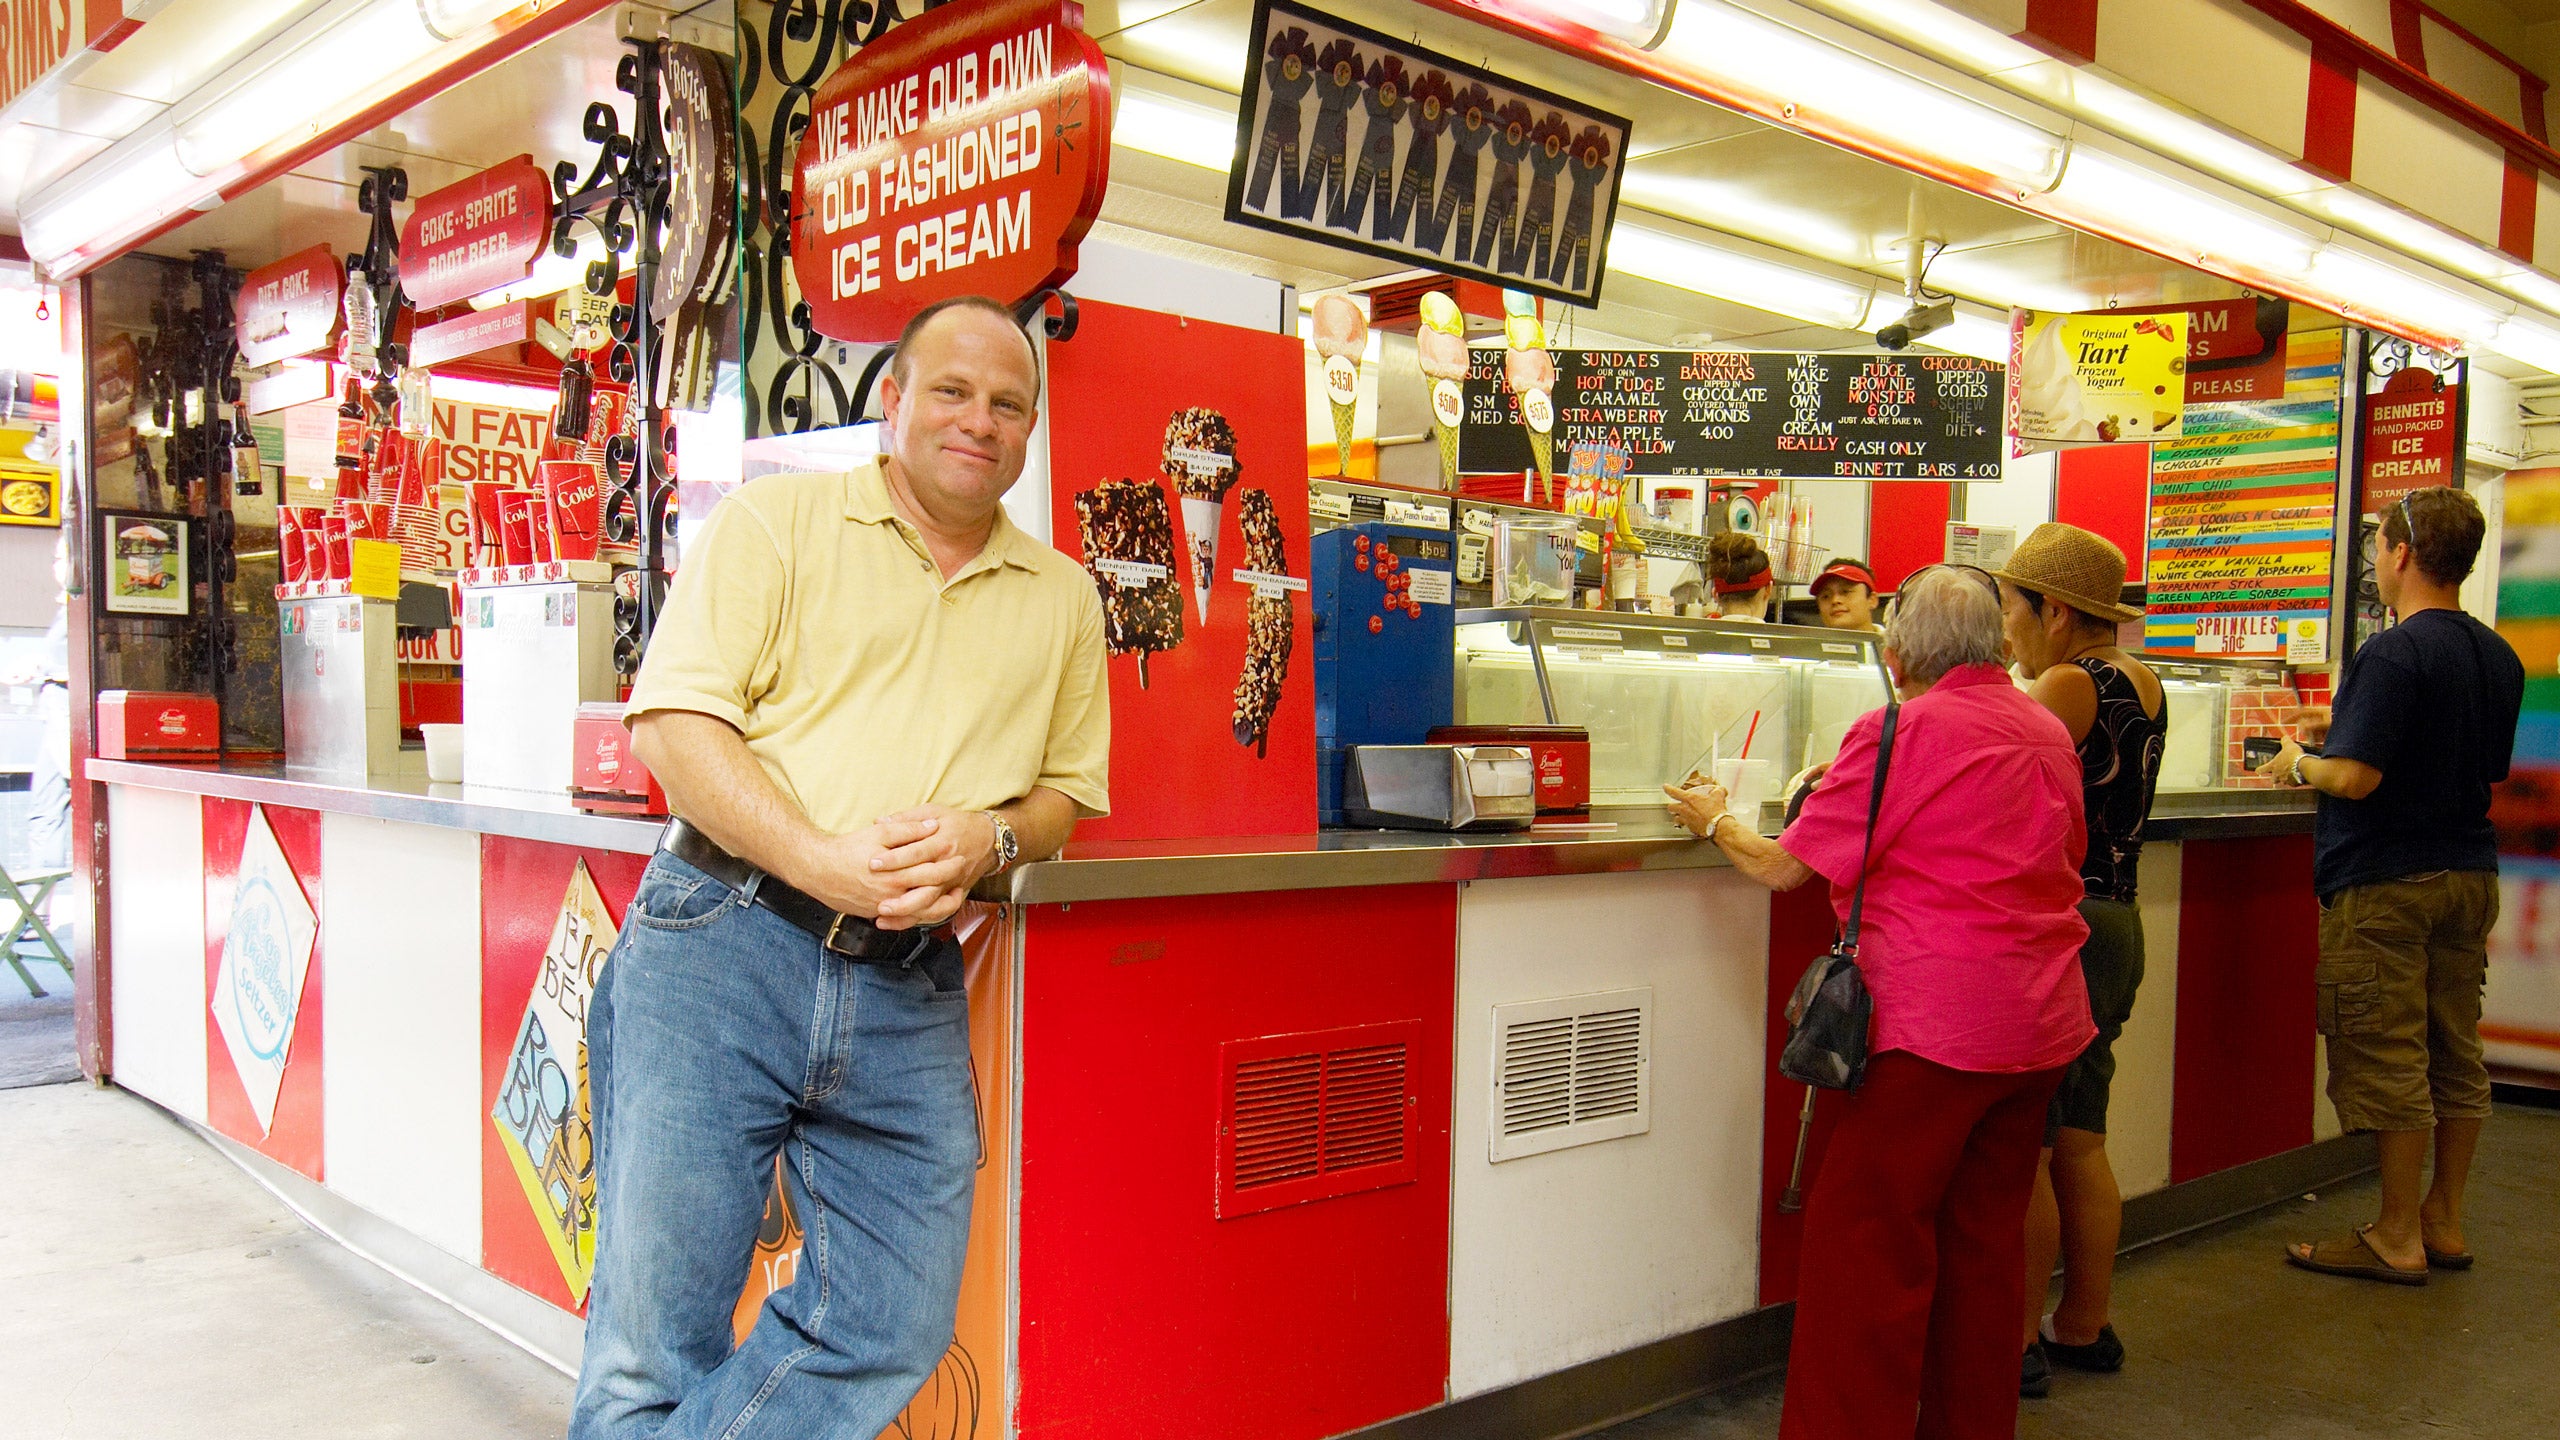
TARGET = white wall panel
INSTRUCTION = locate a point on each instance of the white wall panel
(2022, 498)
(1562, 1257)
(2471, 72)
(2369, 19)
(2410, 155)
(2138, 1108)
(2228, 62)
(155, 904)
(401, 1090)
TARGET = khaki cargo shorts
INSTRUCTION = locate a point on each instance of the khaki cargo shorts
(2402, 967)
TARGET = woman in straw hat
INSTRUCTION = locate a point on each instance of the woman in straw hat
(2059, 607)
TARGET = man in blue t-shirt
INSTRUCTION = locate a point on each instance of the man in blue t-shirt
(2406, 868)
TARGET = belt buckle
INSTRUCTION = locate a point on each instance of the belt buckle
(835, 928)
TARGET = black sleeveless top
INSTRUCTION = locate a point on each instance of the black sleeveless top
(2119, 769)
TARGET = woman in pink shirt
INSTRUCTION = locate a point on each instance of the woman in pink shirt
(1914, 1235)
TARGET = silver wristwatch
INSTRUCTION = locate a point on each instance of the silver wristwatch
(2298, 758)
(1008, 845)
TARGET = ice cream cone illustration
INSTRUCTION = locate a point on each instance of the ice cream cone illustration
(1441, 347)
(1531, 373)
(1200, 460)
(1342, 339)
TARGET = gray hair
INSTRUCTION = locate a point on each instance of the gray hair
(1944, 618)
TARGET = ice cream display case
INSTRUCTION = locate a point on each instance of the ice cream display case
(2215, 705)
(1753, 704)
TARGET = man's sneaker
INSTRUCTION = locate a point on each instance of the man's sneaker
(2035, 1376)
(2104, 1355)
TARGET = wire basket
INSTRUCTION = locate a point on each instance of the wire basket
(1795, 562)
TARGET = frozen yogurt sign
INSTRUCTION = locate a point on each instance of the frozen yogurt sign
(965, 153)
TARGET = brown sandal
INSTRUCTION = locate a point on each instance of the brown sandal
(2353, 1256)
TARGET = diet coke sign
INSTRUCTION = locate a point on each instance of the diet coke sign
(965, 153)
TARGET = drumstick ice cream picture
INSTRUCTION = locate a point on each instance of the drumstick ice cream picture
(1127, 539)
(1200, 460)
(1271, 625)
(1342, 340)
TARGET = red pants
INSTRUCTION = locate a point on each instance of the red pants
(1911, 1284)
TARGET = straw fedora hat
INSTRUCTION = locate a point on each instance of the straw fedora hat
(2082, 570)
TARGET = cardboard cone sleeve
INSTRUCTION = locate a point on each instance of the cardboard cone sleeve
(1127, 539)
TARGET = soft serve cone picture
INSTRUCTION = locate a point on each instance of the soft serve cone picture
(1341, 341)
(1530, 372)
(1200, 460)
(2096, 379)
(1440, 345)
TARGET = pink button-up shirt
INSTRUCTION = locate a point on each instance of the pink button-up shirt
(1972, 928)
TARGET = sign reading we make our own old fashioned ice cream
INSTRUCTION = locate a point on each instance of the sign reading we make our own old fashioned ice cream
(965, 153)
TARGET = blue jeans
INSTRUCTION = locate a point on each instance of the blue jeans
(720, 1035)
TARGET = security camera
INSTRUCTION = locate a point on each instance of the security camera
(1919, 320)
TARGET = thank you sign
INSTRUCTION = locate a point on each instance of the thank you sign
(965, 153)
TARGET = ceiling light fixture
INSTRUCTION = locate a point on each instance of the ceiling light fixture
(1176, 129)
(1641, 23)
(1728, 274)
(2121, 197)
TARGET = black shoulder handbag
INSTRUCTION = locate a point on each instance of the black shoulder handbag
(1827, 1018)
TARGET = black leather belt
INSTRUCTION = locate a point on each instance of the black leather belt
(850, 936)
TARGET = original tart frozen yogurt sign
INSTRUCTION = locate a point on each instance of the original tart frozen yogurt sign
(965, 153)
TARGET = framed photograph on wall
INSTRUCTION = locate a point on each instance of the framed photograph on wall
(143, 567)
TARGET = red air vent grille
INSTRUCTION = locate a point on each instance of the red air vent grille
(1308, 1117)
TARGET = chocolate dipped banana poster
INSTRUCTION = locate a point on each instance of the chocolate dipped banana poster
(1178, 479)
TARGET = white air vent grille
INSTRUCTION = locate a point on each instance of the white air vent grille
(1571, 1071)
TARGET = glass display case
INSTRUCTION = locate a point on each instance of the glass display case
(2213, 706)
(1662, 695)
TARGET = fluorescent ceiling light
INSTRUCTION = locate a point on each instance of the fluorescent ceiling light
(1745, 52)
(137, 185)
(1638, 22)
(1952, 35)
(1980, 336)
(453, 19)
(488, 392)
(1174, 129)
(1735, 208)
(2532, 341)
(1744, 279)
(2131, 199)
(291, 96)
(2388, 296)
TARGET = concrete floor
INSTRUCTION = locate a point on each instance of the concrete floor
(152, 1290)
(2227, 1341)
(37, 1040)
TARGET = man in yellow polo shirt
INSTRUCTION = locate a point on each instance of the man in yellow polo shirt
(869, 692)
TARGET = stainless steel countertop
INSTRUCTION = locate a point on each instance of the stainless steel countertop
(1618, 840)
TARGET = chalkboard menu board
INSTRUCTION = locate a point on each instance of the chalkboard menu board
(1752, 413)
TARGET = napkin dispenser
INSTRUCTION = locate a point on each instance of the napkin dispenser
(1439, 787)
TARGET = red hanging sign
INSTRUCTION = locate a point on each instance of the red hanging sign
(2408, 437)
(965, 153)
(289, 308)
(477, 235)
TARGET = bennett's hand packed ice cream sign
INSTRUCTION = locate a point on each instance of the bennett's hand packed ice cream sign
(2096, 378)
(964, 153)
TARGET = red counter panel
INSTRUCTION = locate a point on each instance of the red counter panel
(1143, 1313)
(2248, 940)
(295, 1137)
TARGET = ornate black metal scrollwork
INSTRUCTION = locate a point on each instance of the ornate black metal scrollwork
(188, 385)
(623, 197)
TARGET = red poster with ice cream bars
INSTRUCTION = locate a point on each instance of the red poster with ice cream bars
(1178, 478)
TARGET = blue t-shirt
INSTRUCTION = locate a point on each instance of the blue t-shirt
(2431, 703)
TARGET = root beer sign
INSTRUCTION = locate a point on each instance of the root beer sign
(965, 153)
(476, 235)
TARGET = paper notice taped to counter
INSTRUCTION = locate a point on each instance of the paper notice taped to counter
(2095, 379)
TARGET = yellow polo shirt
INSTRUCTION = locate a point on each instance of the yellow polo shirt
(809, 616)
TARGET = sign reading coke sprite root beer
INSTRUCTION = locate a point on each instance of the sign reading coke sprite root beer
(964, 153)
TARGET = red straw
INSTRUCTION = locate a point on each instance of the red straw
(1747, 734)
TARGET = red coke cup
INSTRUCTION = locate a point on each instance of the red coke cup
(488, 526)
(515, 525)
(338, 561)
(367, 519)
(573, 492)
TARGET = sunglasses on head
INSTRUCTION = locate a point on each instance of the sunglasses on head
(1989, 582)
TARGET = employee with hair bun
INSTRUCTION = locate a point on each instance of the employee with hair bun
(1738, 571)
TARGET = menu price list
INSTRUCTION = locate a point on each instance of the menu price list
(1753, 413)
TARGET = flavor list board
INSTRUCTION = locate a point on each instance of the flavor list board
(1761, 414)
(2244, 519)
